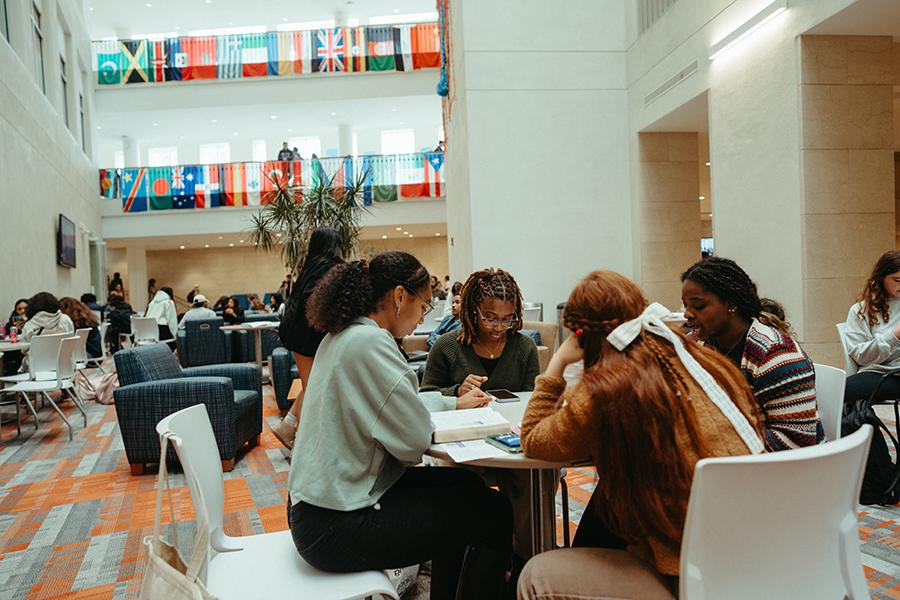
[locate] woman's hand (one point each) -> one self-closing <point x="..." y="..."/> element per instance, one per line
<point x="469" y="383"/>
<point x="570" y="352"/>
<point x="474" y="398"/>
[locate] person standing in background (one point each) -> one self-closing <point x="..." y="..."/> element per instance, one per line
<point x="285" y="153"/>
<point x="192" y="293"/>
<point x="151" y="288"/>
<point x="162" y="308"/>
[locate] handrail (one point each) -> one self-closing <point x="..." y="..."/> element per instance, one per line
<point x="400" y="47"/>
<point x="385" y="178"/>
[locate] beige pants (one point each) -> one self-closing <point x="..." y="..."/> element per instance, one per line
<point x="592" y="574"/>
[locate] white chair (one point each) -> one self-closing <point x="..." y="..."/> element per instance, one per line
<point x="236" y="565"/>
<point x="81" y="357"/>
<point x="65" y="376"/>
<point x="531" y="313"/>
<point x="830" y="384"/>
<point x="777" y="526"/>
<point x="144" y="330"/>
<point x="42" y="356"/>
<point x="850" y="365"/>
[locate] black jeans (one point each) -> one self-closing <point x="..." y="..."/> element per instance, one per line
<point x="863" y="384"/>
<point x="430" y="513"/>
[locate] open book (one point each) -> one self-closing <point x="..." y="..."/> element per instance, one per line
<point x="467" y="424"/>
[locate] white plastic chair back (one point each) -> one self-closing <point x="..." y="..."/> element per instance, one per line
<point x="81" y="351"/>
<point x="830" y="384"/>
<point x="850" y="365"/>
<point x="531" y="314"/>
<point x="768" y="525"/>
<point x="43" y="352"/>
<point x="65" y="364"/>
<point x="145" y="329"/>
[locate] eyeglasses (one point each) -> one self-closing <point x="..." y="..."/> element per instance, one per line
<point x="507" y="323"/>
<point x="428" y="305"/>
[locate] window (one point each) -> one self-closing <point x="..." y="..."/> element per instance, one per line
<point x="81" y="119"/>
<point x="64" y="89"/>
<point x="258" y="151"/>
<point x="162" y="157"/>
<point x="38" y="43"/>
<point x="398" y="141"/>
<point x="307" y="146"/>
<point x="215" y="153"/>
<point x="4" y="22"/>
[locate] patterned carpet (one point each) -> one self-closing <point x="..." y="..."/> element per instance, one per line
<point x="72" y="517"/>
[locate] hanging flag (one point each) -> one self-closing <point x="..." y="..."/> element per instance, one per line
<point x="412" y="176"/>
<point x="158" y="60"/>
<point x="134" y="190"/>
<point x="384" y="179"/>
<point x="342" y="177"/>
<point x="235" y="184"/>
<point x="366" y="173"/>
<point x="207" y="192"/>
<point x="228" y="59"/>
<point x="356" y="48"/>
<point x="202" y="53"/>
<point x="279" y="43"/>
<point x="184" y="183"/>
<point x="109" y="183"/>
<point x="380" y="55"/>
<point x="176" y="59"/>
<point x="109" y="62"/>
<point x="135" y="60"/>
<point x="254" y="54"/>
<point x="160" y="188"/>
<point x="426" y="45"/>
<point x="253" y="172"/>
<point x="330" y="51"/>
<point x="434" y="175"/>
<point x="403" y="47"/>
<point x="303" y="51"/>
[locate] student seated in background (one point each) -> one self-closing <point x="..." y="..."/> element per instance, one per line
<point x="44" y="317"/>
<point x="17" y="317"/>
<point x="83" y="318"/>
<point x="199" y="310"/>
<point x="453" y="292"/>
<point x="233" y="313"/>
<point x="276" y="304"/>
<point x="873" y="332"/>
<point x="256" y="304"/>
<point x="90" y="300"/>
<point x="119" y="313"/>
<point x="723" y="310"/>
<point x="449" y="323"/>
<point x="649" y="406"/>
<point x="220" y="304"/>
<point x="356" y="501"/>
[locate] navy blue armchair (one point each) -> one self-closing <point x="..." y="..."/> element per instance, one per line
<point x="284" y="371"/>
<point x="153" y="386"/>
<point x="202" y="342"/>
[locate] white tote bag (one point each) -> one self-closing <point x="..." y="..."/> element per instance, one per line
<point x="168" y="576"/>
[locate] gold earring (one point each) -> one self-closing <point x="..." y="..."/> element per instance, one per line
<point x="398" y="311"/>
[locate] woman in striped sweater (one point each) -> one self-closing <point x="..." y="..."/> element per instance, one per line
<point x="723" y="309"/>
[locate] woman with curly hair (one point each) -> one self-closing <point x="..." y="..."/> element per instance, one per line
<point x="356" y="500"/>
<point x="724" y="311"/>
<point x="83" y="318"/>
<point x="649" y="406"/>
<point x="873" y="332"/>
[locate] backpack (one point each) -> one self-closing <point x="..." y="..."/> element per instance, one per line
<point x="882" y="474"/>
<point x="109" y="383"/>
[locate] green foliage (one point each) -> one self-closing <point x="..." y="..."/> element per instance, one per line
<point x="289" y="215"/>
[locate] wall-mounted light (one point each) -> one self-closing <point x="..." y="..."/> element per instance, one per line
<point x="752" y="24"/>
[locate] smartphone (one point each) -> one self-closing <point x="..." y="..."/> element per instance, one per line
<point x="506" y="441"/>
<point x="503" y="395"/>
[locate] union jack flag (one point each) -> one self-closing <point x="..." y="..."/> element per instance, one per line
<point x="330" y="50"/>
<point x="178" y="178"/>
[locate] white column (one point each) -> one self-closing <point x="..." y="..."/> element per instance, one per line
<point x="345" y="139"/>
<point x="136" y="277"/>
<point x="131" y="152"/>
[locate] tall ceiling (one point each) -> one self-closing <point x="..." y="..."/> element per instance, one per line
<point x="124" y="18"/>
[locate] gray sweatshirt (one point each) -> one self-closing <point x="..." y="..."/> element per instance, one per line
<point x="874" y="348"/>
<point x="362" y="423"/>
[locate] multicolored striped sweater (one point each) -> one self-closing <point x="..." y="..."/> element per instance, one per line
<point x="784" y="382"/>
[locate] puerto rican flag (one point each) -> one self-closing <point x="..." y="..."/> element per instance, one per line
<point x="330" y="50"/>
<point x="434" y="175"/>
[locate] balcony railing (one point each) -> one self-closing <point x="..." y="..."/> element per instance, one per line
<point x="387" y="178"/>
<point x="404" y="47"/>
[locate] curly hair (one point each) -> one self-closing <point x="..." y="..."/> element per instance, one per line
<point x="42" y="302"/>
<point x="357" y="288"/>
<point x="724" y="278"/>
<point x="487" y="283"/>
<point x="873" y="298"/>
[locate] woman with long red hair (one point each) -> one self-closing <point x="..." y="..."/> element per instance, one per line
<point x="650" y="405"/>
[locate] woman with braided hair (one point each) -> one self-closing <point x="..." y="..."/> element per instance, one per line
<point x="649" y="406"/>
<point x="356" y="500"/>
<point x="724" y="311"/>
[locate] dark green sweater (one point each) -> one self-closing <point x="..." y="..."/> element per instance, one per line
<point x="450" y="362"/>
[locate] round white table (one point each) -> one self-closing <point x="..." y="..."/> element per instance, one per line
<point x="7" y="346"/>
<point x="544" y="476"/>
<point x="257" y="327"/>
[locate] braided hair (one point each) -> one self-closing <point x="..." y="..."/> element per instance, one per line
<point x="873" y="298"/>
<point x="487" y="283"/>
<point x="724" y="278"/>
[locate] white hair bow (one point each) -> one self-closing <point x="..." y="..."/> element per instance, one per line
<point x="651" y="321"/>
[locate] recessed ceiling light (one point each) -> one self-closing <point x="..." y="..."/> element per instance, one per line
<point x="91" y="9"/>
<point x="220" y="237"/>
<point x="209" y="1"/>
<point x="703" y="197"/>
<point x="333" y="114"/>
<point x="206" y="245"/>
<point x="437" y="235"/>
<point x="405" y="233"/>
<point x="393" y="110"/>
<point x="242" y="241"/>
<point x="156" y="124"/>
<point x="273" y="117"/>
<point x="148" y="5"/>
<point x="399" y="229"/>
<point x="396" y="10"/>
<point x="98" y="128"/>
<point x="231" y="245"/>
<point x="384" y="237"/>
<point x="235" y="133"/>
<point x="411" y="235"/>
<point x="213" y="120"/>
<point x="182" y="247"/>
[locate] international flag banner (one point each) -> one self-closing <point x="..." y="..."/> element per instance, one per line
<point x="176" y="59"/>
<point x="330" y="51"/>
<point x="434" y="175"/>
<point x="134" y="190"/>
<point x="160" y="188"/>
<point x="201" y="53"/>
<point x="426" y="45"/>
<point x="228" y="58"/>
<point x="412" y="175"/>
<point x="109" y="62"/>
<point x="403" y="47"/>
<point x="254" y="55"/>
<point x="380" y="55"/>
<point x="356" y="48"/>
<point x="207" y="191"/>
<point x="280" y="44"/>
<point x="366" y="173"/>
<point x="284" y="172"/>
<point x="158" y="61"/>
<point x="303" y="51"/>
<point x="342" y="177"/>
<point x="234" y="181"/>
<point x="184" y="183"/>
<point x="253" y="172"/>
<point x="109" y="183"/>
<point x="384" y="178"/>
<point x="136" y="61"/>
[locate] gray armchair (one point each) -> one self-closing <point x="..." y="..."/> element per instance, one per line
<point x="202" y="342"/>
<point x="153" y="386"/>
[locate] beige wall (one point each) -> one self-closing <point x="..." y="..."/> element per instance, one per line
<point x="847" y="162"/>
<point x="431" y="251"/>
<point x="668" y="189"/>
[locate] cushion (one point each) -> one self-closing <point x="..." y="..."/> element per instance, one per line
<point x="146" y="363"/>
<point x="534" y="334"/>
<point x="244" y="397"/>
